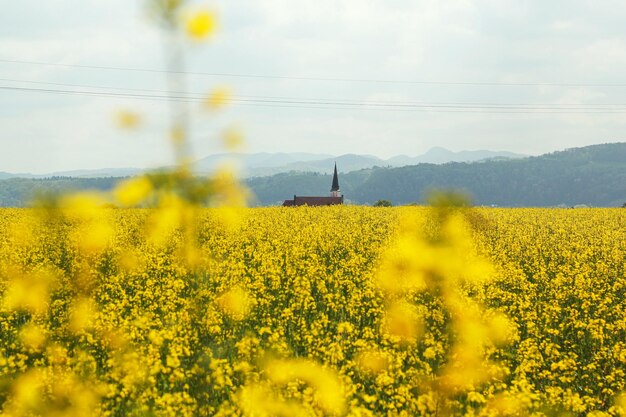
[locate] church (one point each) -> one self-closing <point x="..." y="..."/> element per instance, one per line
<point x="334" y="198"/>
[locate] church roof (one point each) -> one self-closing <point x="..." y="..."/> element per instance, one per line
<point x="313" y="201"/>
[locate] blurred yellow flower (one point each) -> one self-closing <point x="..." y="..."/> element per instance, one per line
<point x="236" y="303"/>
<point x="28" y="390"/>
<point x="85" y="206"/>
<point x="620" y="404"/>
<point x="178" y="135"/>
<point x="372" y="361"/>
<point x="82" y="314"/>
<point x="166" y="218"/>
<point x="258" y="400"/>
<point x="403" y="322"/>
<point x="501" y="329"/>
<point x="228" y="192"/>
<point x="33" y="336"/>
<point x="329" y="392"/>
<point x="94" y="236"/>
<point x="28" y="291"/>
<point x="233" y="139"/>
<point x="218" y="98"/>
<point x="126" y="119"/>
<point x="201" y="24"/>
<point x="133" y="191"/>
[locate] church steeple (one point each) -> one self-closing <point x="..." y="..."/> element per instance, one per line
<point x="334" y="189"/>
<point x="335" y="196"/>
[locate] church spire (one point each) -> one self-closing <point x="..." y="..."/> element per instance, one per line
<point x="334" y="189"/>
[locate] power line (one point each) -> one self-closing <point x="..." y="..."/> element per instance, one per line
<point x="338" y="79"/>
<point x="338" y="105"/>
<point x="334" y="101"/>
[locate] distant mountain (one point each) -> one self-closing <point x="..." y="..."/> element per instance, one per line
<point x="5" y="175"/>
<point x="439" y="155"/>
<point x="79" y="173"/>
<point x="345" y="163"/>
<point x="95" y="173"/>
<point x="263" y="160"/>
<point x="264" y="163"/>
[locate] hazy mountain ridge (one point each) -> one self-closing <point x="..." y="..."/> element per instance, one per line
<point x="352" y="162"/>
<point x="79" y="173"/>
<point x="264" y="163"/>
<point x="439" y="155"/>
<point x="262" y="160"/>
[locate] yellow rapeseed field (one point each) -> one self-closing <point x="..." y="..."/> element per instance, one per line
<point x="181" y="310"/>
<point x="336" y="311"/>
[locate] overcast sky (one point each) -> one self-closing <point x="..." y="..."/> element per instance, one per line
<point x="373" y="77"/>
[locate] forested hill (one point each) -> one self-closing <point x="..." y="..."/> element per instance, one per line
<point x="593" y="175"/>
<point x="19" y="192"/>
